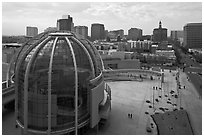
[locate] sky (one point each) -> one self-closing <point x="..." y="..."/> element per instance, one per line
<point x="114" y="15"/>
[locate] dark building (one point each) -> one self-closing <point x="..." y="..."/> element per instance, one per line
<point x="81" y="30"/>
<point x="119" y="32"/>
<point x="159" y="34"/>
<point x="193" y="35"/>
<point x="134" y="34"/>
<point x="65" y="24"/>
<point x="176" y="34"/>
<point x="106" y="33"/>
<point x="31" y="31"/>
<point x="146" y="37"/>
<point x="97" y="31"/>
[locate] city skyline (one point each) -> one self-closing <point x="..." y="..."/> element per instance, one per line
<point x="115" y="15"/>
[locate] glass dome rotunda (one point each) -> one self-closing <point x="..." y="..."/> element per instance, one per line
<point x="55" y="73"/>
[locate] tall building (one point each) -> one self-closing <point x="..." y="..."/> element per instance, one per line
<point x="119" y="32"/>
<point x="106" y="33"/>
<point x="50" y="29"/>
<point x="81" y="30"/>
<point x="134" y="34"/>
<point x="176" y="34"/>
<point x="31" y="31"/>
<point x="112" y="35"/>
<point x="193" y="35"/>
<point x="97" y="31"/>
<point x="159" y="34"/>
<point x="66" y="23"/>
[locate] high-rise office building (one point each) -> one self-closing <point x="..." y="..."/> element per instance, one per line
<point x="193" y="35"/>
<point x="159" y="34"/>
<point x="106" y="33"/>
<point x="66" y="23"/>
<point x="97" y="31"/>
<point x="176" y="34"/>
<point x="119" y="32"/>
<point x="31" y="31"/>
<point x="81" y="30"/>
<point x="50" y="29"/>
<point x="134" y="33"/>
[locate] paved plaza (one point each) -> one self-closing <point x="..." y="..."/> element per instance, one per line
<point x="136" y="97"/>
<point x="131" y="97"/>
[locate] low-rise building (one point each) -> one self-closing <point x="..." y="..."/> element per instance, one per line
<point x="113" y="59"/>
<point x="140" y="46"/>
<point x="115" y="63"/>
<point x="159" y="58"/>
<point x="167" y="53"/>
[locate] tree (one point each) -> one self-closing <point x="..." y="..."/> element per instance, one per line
<point x="108" y="39"/>
<point x="118" y="38"/>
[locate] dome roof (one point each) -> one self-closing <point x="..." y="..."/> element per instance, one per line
<point x="48" y="70"/>
<point x="28" y="46"/>
<point x="66" y="45"/>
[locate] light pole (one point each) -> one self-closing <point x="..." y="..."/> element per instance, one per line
<point x="153" y="97"/>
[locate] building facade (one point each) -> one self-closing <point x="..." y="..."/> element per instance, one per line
<point x="119" y="32"/>
<point x="134" y="34"/>
<point x="121" y="64"/>
<point x="193" y="35"/>
<point x="176" y="34"/>
<point x="140" y="46"/>
<point x="118" y="60"/>
<point x="159" y="34"/>
<point x="106" y="33"/>
<point x="97" y="31"/>
<point x="31" y="31"/>
<point x="50" y="29"/>
<point x="146" y="37"/>
<point x="81" y="30"/>
<point x="66" y="23"/>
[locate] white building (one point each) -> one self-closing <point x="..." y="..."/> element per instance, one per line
<point x="170" y="54"/>
<point x="140" y="44"/>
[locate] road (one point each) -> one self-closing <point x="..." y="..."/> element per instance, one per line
<point x="194" y="71"/>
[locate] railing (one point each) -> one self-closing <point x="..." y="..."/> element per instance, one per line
<point x="133" y="70"/>
<point x="130" y="74"/>
<point x="4" y="84"/>
<point x="55" y="132"/>
<point x="8" y="95"/>
<point x="96" y="81"/>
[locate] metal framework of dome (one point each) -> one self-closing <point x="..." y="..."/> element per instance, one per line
<point x="58" y="75"/>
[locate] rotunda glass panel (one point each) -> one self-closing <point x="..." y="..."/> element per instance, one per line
<point x="56" y="66"/>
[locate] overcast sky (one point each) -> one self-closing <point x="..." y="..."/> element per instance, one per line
<point x="16" y="16"/>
